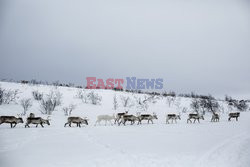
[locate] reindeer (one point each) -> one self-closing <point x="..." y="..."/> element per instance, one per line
<point x="130" y="118"/>
<point x="234" y="115"/>
<point x="148" y="117"/>
<point x="119" y="116"/>
<point x="77" y="120"/>
<point x="195" y="117"/>
<point x="32" y="115"/>
<point x="37" y="121"/>
<point x="172" y="117"/>
<point x="215" y="117"/>
<point x="105" y="118"/>
<point x="11" y="120"/>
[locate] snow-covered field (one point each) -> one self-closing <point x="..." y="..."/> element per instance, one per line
<point x="222" y="144"/>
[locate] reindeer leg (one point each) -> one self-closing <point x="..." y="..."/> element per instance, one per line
<point x="152" y="121"/>
<point x="36" y="125"/>
<point x="236" y="118"/>
<point x="10" y="125"/>
<point x="41" y="124"/>
<point x="229" y="119"/>
<point x="198" y="120"/>
<point x="65" y="124"/>
<point x="79" y="125"/>
<point x="14" y="125"/>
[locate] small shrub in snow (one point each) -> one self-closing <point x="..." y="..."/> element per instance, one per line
<point x="170" y="100"/>
<point x="177" y="104"/>
<point x="126" y="102"/>
<point x="242" y="106"/>
<point x="209" y="104"/>
<point x="184" y="110"/>
<point x="142" y="103"/>
<point x="195" y="105"/>
<point x="81" y="94"/>
<point x="8" y="96"/>
<point x="115" y="102"/>
<point x="94" y="98"/>
<point x="26" y="104"/>
<point x="1" y="95"/>
<point x="37" y="95"/>
<point x="68" y="110"/>
<point x="50" y="102"/>
<point x="91" y="97"/>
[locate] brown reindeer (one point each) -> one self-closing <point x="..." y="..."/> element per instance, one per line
<point x="119" y="116"/>
<point x="173" y="117"/>
<point x="233" y="115"/>
<point x="32" y="115"/>
<point x="10" y="120"/>
<point x="130" y="118"/>
<point x="194" y="117"/>
<point x="215" y="117"/>
<point x="147" y="117"/>
<point x="77" y="120"/>
<point x="37" y="121"/>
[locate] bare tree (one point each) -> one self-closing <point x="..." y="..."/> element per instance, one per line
<point x="209" y="104"/>
<point x="37" y="95"/>
<point x="195" y="105"/>
<point x="126" y="101"/>
<point x="8" y="96"/>
<point x="81" y="94"/>
<point x="115" y="102"/>
<point x="26" y="104"/>
<point x="68" y="110"/>
<point x="94" y="98"/>
<point x="50" y="102"/>
<point x="184" y="110"/>
<point x="170" y="100"/>
<point x="142" y="102"/>
<point x="177" y="104"/>
<point x="1" y="95"/>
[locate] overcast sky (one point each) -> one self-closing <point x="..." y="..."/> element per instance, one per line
<point x="195" y="45"/>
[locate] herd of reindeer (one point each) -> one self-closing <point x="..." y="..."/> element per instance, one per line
<point x="119" y="118"/>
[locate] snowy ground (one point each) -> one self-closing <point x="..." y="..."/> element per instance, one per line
<point x="222" y="144"/>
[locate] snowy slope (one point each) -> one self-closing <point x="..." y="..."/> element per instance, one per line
<point x="222" y="144"/>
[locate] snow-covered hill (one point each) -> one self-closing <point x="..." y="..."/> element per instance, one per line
<point x="222" y="144"/>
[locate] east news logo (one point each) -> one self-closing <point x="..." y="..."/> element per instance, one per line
<point x="131" y="83"/>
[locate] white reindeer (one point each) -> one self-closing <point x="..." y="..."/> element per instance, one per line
<point x="106" y="118"/>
